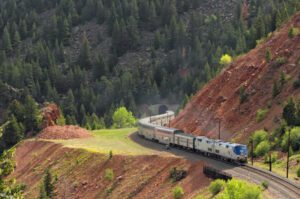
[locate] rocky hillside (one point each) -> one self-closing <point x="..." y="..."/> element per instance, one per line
<point x="250" y="93"/>
<point x="81" y="174"/>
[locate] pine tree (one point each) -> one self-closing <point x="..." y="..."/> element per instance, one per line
<point x="33" y="118"/>
<point x="84" y="59"/>
<point x="268" y="56"/>
<point x="48" y="184"/>
<point x="7" y="46"/>
<point x="13" y="132"/>
<point x="289" y="113"/>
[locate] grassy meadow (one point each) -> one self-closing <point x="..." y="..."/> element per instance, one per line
<point x="116" y="140"/>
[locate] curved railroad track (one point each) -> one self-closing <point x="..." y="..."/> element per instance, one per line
<point x="279" y="187"/>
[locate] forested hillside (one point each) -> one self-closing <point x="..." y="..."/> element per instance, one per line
<point x="91" y="56"/>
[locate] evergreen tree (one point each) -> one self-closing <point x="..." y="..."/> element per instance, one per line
<point x="268" y="56"/>
<point x="7" y="46"/>
<point x="13" y="132"/>
<point x="32" y="119"/>
<point x="84" y="59"/>
<point x="289" y="113"/>
<point x="48" y="184"/>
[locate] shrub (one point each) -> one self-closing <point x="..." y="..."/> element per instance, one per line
<point x="274" y="157"/>
<point x="109" y="174"/>
<point x="296" y="83"/>
<point x="268" y="55"/>
<point x="259" y="136"/>
<point x="293" y="32"/>
<point x="225" y="60"/>
<point x="240" y="189"/>
<point x="243" y="94"/>
<point x="177" y="174"/>
<point x="298" y="172"/>
<point x="178" y="192"/>
<point x="279" y="61"/>
<point x="262" y="148"/>
<point x="261" y="114"/>
<point x="294" y="138"/>
<point x="110" y="154"/>
<point x="265" y="184"/>
<point x="216" y="186"/>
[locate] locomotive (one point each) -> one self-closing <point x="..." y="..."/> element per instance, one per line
<point x="156" y="128"/>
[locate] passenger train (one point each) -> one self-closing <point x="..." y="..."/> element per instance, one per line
<point x="156" y="128"/>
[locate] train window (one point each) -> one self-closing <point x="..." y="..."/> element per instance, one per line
<point x="217" y="151"/>
<point x="200" y="140"/>
<point x="227" y="146"/>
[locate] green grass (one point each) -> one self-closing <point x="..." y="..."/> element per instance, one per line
<point x="103" y="141"/>
<point x="279" y="167"/>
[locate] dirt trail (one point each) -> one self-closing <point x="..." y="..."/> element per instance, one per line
<point x="81" y="173"/>
<point x="220" y="98"/>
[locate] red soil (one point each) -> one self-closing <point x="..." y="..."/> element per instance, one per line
<point x="64" y="132"/>
<point x="80" y="173"/>
<point x="50" y="113"/>
<point x="220" y="97"/>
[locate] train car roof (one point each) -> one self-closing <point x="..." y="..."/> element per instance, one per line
<point x="186" y="135"/>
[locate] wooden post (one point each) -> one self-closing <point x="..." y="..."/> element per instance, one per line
<point x="270" y="161"/>
<point x="288" y="155"/>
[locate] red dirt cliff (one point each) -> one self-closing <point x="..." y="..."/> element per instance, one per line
<point x="220" y="98"/>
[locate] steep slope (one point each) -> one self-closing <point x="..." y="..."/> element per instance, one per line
<point x="220" y="98"/>
<point x="81" y="174"/>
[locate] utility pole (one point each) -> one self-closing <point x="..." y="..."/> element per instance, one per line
<point x="288" y="155"/>
<point x="219" y="128"/>
<point x="252" y="148"/>
<point x="270" y="161"/>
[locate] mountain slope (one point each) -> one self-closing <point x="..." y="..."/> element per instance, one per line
<point x="81" y="174"/>
<point x="220" y="98"/>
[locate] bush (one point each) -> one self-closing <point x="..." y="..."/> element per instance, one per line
<point x="241" y="190"/>
<point x="298" y="172"/>
<point x="262" y="148"/>
<point x="259" y="136"/>
<point x="279" y="61"/>
<point x="265" y="184"/>
<point x="293" y="32"/>
<point x="274" y="157"/>
<point x="225" y="60"/>
<point x="295" y="139"/>
<point x="110" y="154"/>
<point x="177" y="174"/>
<point x="261" y="114"/>
<point x="178" y="192"/>
<point x="296" y="83"/>
<point x="216" y="186"/>
<point x="243" y="94"/>
<point x="109" y="174"/>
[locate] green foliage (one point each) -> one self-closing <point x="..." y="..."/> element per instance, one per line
<point x="279" y="61"/>
<point x="243" y="94"/>
<point x="84" y="58"/>
<point x="293" y="32"/>
<point x="295" y="139"/>
<point x="177" y="174"/>
<point x="217" y="186"/>
<point x="275" y="89"/>
<point x="9" y="188"/>
<point x="239" y="189"/>
<point x="289" y="113"/>
<point x="274" y="157"/>
<point x="261" y="114"/>
<point x="109" y="174"/>
<point x="259" y="136"/>
<point x="265" y="184"/>
<point x="268" y="55"/>
<point x="12" y="133"/>
<point x="48" y="185"/>
<point x="298" y="172"/>
<point x="225" y="60"/>
<point x="123" y="118"/>
<point x="262" y="148"/>
<point x="178" y="192"/>
<point x="110" y="154"/>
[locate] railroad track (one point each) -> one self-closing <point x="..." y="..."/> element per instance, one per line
<point x="281" y="184"/>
